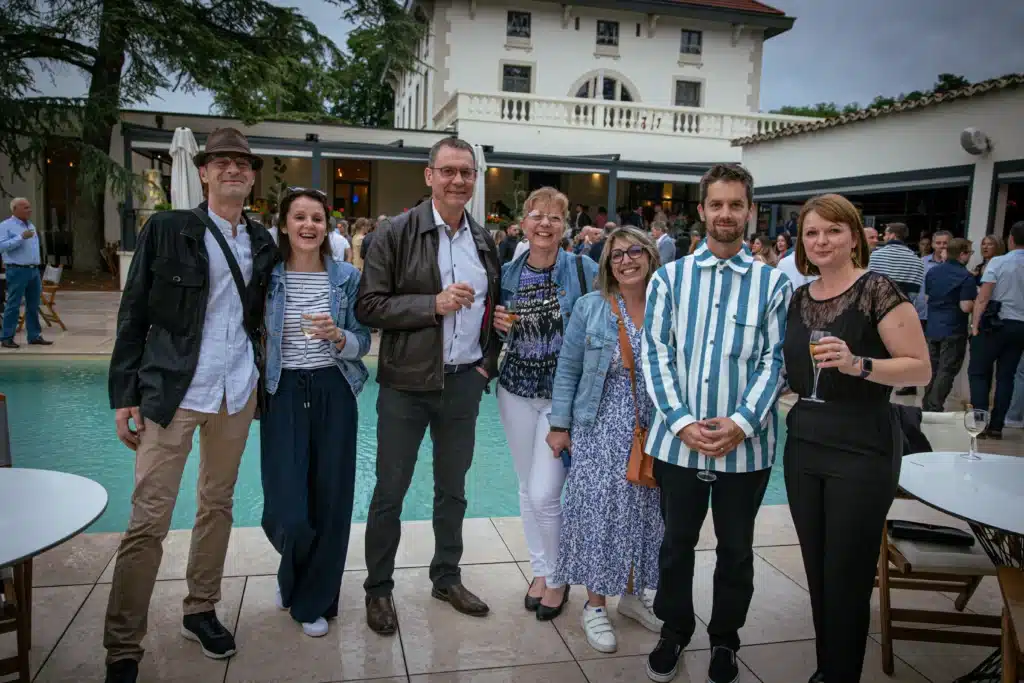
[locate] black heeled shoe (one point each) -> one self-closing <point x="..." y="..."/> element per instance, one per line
<point x="529" y="602"/>
<point x="818" y="677"/>
<point x="545" y="613"/>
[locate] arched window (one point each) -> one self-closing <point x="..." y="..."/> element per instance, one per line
<point x="605" y="88"/>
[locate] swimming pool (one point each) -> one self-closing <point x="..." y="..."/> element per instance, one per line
<point x="60" y="420"/>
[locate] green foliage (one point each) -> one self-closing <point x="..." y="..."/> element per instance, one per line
<point x="944" y="83"/>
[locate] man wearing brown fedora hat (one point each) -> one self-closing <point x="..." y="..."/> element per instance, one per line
<point x="187" y="356"/>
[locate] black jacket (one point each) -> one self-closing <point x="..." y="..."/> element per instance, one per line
<point x="397" y="294"/>
<point x="160" y="320"/>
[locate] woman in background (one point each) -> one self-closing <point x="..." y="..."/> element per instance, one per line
<point x="308" y="427"/>
<point x="359" y="230"/>
<point x="783" y="243"/>
<point x="991" y="246"/>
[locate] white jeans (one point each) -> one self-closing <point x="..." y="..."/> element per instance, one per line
<point x="541" y="477"/>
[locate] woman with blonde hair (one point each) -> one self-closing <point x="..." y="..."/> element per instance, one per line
<point x="767" y="253"/>
<point x="991" y="246"/>
<point x="612" y="529"/>
<point x="359" y="230"/>
<point x="851" y="336"/>
<point x="538" y="291"/>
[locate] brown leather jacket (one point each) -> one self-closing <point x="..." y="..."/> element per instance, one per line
<point x="397" y="294"/>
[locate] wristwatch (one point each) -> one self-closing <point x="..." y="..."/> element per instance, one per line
<point x="867" y="366"/>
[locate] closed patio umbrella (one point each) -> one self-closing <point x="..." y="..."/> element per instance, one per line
<point x="186" y="188"/>
<point x="479" y="207"/>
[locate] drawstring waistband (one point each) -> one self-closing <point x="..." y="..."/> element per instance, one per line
<point x="305" y="378"/>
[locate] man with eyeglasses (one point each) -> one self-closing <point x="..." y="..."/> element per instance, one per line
<point x="187" y="356"/>
<point x="430" y="283"/>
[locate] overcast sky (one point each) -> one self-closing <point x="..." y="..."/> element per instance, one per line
<point x="838" y="51"/>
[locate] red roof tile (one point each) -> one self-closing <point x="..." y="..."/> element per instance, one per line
<point x="741" y="5"/>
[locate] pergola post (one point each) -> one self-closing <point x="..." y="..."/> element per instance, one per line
<point x="613" y="190"/>
<point x="128" y="236"/>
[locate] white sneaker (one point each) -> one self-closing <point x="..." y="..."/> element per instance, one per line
<point x="600" y="633"/>
<point x="641" y="610"/>
<point x="1013" y="424"/>
<point x="317" y="629"/>
<point x="278" y="600"/>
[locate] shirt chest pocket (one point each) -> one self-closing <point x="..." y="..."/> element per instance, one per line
<point x="174" y="295"/>
<point x="744" y="342"/>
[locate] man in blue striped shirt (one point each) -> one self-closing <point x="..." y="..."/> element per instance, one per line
<point x="713" y="366"/>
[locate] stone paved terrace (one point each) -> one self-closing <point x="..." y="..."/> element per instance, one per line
<point x="435" y="644"/>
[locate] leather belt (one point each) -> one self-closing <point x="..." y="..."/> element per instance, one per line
<point x="20" y="265"/>
<point x="462" y="367"/>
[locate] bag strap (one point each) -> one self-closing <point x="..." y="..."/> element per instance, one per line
<point x="628" y="361"/>
<point x="236" y="272"/>
<point x="579" y="273"/>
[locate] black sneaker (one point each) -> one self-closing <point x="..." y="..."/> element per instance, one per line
<point x="723" y="667"/>
<point x="204" y="628"/>
<point x="122" y="671"/>
<point x="663" y="663"/>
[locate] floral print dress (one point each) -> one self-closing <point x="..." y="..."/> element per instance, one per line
<point x="610" y="525"/>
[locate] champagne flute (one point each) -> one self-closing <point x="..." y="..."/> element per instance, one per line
<point x="306" y="324"/>
<point x="816" y="337"/>
<point x="975" y="422"/>
<point x="706" y="475"/>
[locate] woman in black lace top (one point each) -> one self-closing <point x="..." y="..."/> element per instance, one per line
<point x="843" y="453"/>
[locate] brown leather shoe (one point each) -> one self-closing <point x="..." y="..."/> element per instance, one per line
<point x="462" y="600"/>
<point x="380" y="615"/>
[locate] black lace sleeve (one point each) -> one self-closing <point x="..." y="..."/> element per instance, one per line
<point x="884" y="294"/>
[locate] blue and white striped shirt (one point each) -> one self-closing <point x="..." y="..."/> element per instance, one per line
<point x="713" y="348"/>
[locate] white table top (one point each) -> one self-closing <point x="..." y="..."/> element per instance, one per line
<point x="989" y="491"/>
<point x="40" y="509"/>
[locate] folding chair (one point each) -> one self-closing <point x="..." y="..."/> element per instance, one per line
<point x="51" y="284"/>
<point x="16" y="586"/>
<point x="1011" y="585"/>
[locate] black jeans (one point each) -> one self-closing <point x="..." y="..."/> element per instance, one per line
<point x="308" y="464"/>
<point x="842" y="468"/>
<point x="1000" y="349"/>
<point x="735" y="499"/>
<point x="947" y="356"/>
<point x="402" y="419"/>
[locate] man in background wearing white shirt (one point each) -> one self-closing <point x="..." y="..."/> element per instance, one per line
<point x="341" y="250"/>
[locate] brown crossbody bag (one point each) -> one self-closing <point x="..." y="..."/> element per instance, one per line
<point x="640" y="469"/>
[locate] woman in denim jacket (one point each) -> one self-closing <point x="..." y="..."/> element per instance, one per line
<point x="612" y="529"/>
<point x="308" y="429"/>
<point x="538" y="290"/>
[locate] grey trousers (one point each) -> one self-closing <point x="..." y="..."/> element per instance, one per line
<point x="947" y="357"/>
<point x="402" y="420"/>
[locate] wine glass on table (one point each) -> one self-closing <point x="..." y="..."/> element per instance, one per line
<point x="975" y="422"/>
<point x="706" y="475"/>
<point x="816" y="337"/>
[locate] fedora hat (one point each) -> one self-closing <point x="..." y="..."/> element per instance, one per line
<point x="227" y="141"/>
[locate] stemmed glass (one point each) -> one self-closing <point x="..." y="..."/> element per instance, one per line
<point x="306" y="323"/>
<point x="706" y="475"/>
<point x="975" y="422"/>
<point x="816" y="337"/>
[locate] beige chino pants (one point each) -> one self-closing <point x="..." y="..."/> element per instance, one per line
<point x="159" y="463"/>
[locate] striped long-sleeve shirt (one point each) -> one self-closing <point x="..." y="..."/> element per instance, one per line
<point x="713" y="348"/>
<point x="896" y="261"/>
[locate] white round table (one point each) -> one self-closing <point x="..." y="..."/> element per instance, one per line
<point x="989" y="495"/>
<point x="42" y="509"/>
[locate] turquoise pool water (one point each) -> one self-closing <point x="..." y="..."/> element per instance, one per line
<point x="60" y="420"/>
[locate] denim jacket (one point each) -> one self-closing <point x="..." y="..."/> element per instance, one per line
<point x="588" y="347"/>
<point x="344" y="279"/>
<point x="565" y="276"/>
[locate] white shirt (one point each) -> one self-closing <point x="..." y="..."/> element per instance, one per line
<point x="521" y="248"/>
<point x="339" y="245"/>
<point x="788" y="266"/>
<point x="459" y="261"/>
<point x="226" y="370"/>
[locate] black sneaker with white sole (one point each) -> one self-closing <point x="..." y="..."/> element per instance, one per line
<point x="205" y="628"/>
<point x="663" y="663"/>
<point x="723" y="667"/>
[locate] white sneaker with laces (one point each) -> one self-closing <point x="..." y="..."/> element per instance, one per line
<point x="641" y="610"/>
<point x="317" y="629"/>
<point x="598" y="629"/>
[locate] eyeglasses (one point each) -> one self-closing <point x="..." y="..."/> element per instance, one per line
<point x="553" y="219"/>
<point x="449" y="172"/>
<point x="307" y="190"/>
<point x="634" y="252"/>
<point x="223" y="163"/>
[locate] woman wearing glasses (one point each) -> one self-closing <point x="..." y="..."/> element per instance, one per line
<point x="612" y="531"/>
<point x="308" y="429"/>
<point x="538" y="291"/>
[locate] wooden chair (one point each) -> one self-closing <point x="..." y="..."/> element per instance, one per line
<point x="48" y="300"/>
<point x="1011" y="584"/>
<point x="911" y="565"/>
<point x="16" y="586"/>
